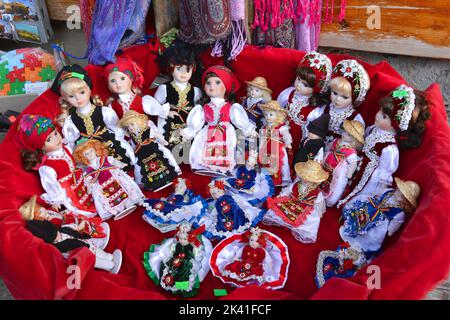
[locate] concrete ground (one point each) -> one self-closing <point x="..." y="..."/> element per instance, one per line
<point x="419" y="72"/>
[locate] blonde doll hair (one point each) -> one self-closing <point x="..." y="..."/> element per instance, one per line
<point x="71" y="85"/>
<point x="281" y="116"/>
<point x="266" y="96"/>
<point x="341" y="84"/>
<point x="99" y="147"/>
<point x="133" y="116"/>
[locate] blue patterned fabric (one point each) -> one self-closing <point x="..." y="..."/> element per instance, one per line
<point x="229" y="215"/>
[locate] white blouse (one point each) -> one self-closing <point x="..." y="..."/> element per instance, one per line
<point x="150" y="105"/>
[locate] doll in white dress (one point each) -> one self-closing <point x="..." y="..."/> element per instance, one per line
<point x="275" y="141"/>
<point x="400" y="122"/>
<point x="114" y="192"/>
<point x="348" y="88"/>
<point x="300" y="206"/>
<point x="89" y="121"/>
<point x="341" y="161"/>
<point x="213" y="151"/>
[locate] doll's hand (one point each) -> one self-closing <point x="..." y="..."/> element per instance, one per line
<point x="289" y="146"/>
<point x="161" y="139"/>
<point x="172" y="114"/>
<point x="57" y="207"/>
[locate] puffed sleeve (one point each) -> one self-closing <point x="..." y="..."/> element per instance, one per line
<point x="320" y="204"/>
<point x="388" y="164"/>
<point x="360" y="119"/>
<point x="352" y="158"/>
<point x="153" y="107"/>
<point x="369" y="129"/>
<point x="70" y="132"/>
<point x="161" y="94"/>
<point x="313" y="115"/>
<point x="55" y="195"/>
<point x="240" y="119"/>
<point x="112" y="121"/>
<point x="287" y="138"/>
<point x="195" y="121"/>
<point x="396" y="223"/>
<point x="283" y="97"/>
<point x="198" y="94"/>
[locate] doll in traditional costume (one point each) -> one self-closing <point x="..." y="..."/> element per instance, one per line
<point x="167" y="214"/>
<point x="179" y="264"/>
<point x="348" y="88"/>
<point x="155" y="166"/>
<point x="399" y="123"/>
<point x="368" y="220"/>
<point x="179" y="96"/>
<point x="73" y="84"/>
<point x="43" y="150"/>
<point x="252" y="185"/>
<point x="275" y="140"/>
<point x="341" y="161"/>
<point x="255" y="257"/>
<point x="114" y="192"/>
<point x="344" y="262"/>
<point x="228" y="214"/>
<point x="312" y="78"/>
<point x="313" y="147"/>
<point x="94" y="227"/>
<point x="257" y="93"/>
<point x="300" y="206"/>
<point x="213" y="151"/>
<point x="125" y="80"/>
<point x="66" y="239"/>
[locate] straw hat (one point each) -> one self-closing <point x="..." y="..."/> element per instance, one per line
<point x="409" y="189"/>
<point x="132" y="115"/>
<point x="355" y="129"/>
<point x="27" y="209"/>
<point x="260" y="83"/>
<point x="273" y="105"/>
<point x="311" y="171"/>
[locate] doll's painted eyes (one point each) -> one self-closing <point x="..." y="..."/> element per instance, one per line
<point x="112" y="80"/>
<point x="82" y="92"/>
<point x="123" y="78"/>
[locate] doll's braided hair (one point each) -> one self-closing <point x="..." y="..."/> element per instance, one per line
<point x="410" y="138"/>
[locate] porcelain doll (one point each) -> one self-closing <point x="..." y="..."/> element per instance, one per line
<point x="213" y="151"/>
<point x="125" y="80"/>
<point x="313" y="147"/>
<point x="253" y="186"/>
<point x="228" y="214"/>
<point x="275" y="141"/>
<point x="94" y="227"/>
<point x="312" y="78"/>
<point x="348" y="88"/>
<point x="300" y="206"/>
<point x="179" y="96"/>
<point x="89" y="121"/>
<point x="341" y="161"/>
<point x="344" y="262"/>
<point x="368" y="220"/>
<point x="400" y="122"/>
<point x="255" y="257"/>
<point x="178" y="265"/>
<point x="257" y="93"/>
<point x="43" y="150"/>
<point x="115" y="193"/>
<point x="66" y="239"/>
<point x="166" y="214"/>
<point x="155" y="166"/>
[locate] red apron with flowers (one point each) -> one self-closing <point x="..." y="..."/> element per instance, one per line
<point x="215" y="152"/>
<point x="250" y="263"/>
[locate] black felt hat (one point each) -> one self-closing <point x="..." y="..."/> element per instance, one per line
<point x="71" y="71"/>
<point x="319" y="126"/>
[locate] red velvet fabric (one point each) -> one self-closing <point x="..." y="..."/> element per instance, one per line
<point x="413" y="261"/>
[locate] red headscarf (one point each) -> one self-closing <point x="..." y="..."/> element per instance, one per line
<point x="129" y="67"/>
<point x="33" y="131"/>
<point x="228" y="78"/>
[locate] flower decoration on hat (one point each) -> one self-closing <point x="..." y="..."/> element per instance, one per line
<point x="33" y="131"/>
<point x="322" y="67"/>
<point x="404" y="103"/>
<point x="127" y="66"/>
<point x="356" y="75"/>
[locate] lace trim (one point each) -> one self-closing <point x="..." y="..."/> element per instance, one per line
<point x="127" y="104"/>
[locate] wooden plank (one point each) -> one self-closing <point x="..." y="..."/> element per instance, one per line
<point x="413" y="27"/>
<point x="166" y="15"/>
<point x="57" y="9"/>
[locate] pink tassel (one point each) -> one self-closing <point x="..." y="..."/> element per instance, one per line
<point x="342" y="12"/>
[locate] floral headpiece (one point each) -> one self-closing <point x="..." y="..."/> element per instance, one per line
<point x="322" y="67"/>
<point x="404" y="101"/>
<point x="356" y="75"/>
<point x="128" y="67"/>
<point x="34" y="130"/>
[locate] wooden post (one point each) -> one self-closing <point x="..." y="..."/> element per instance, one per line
<point x="166" y="15"/>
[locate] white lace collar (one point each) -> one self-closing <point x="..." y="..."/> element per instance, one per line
<point x="55" y="153"/>
<point x="218" y="102"/>
<point x="85" y="110"/>
<point x="179" y="84"/>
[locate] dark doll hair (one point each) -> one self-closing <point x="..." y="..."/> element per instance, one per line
<point x="308" y="75"/>
<point x="30" y="159"/>
<point x="231" y="97"/>
<point x="412" y="137"/>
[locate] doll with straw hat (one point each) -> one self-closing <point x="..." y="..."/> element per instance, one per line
<point x="341" y="160"/>
<point x="300" y="206"/>
<point x="369" y="219"/>
<point x="275" y="139"/>
<point x="257" y="93"/>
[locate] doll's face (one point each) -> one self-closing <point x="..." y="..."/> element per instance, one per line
<point x="216" y="193"/>
<point x="270" y="115"/>
<point x="119" y="82"/>
<point x="90" y="154"/>
<point x="53" y="142"/>
<point x="78" y="97"/>
<point x="253" y="241"/>
<point x="346" y="137"/>
<point x="215" y="88"/>
<point x="183" y="238"/>
<point x="254" y="92"/>
<point x="302" y="87"/>
<point x="340" y="98"/>
<point x="383" y="121"/>
<point x="136" y="126"/>
<point x="185" y="228"/>
<point x="182" y="73"/>
<point x="180" y="188"/>
<point x="41" y="213"/>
